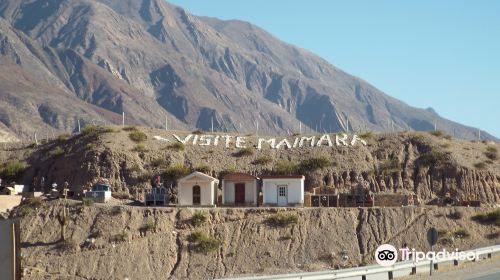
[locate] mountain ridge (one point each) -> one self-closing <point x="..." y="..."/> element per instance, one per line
<point x="194" y="70"/>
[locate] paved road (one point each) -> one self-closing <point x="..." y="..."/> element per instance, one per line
<point x="484" y="270"/>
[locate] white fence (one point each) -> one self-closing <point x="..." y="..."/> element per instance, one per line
<point x="377" y="272"/>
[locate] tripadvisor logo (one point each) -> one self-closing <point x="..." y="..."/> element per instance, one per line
<point x="386" y="255"/>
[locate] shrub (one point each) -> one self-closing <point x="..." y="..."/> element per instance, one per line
<point x="63" y="137"/>
<point x="89" y="129"/>
<point x="389" y="166"/>
<point x="34" y="202"/>
<point x="204" y="243"/>
<point x="140" y="148"/>
<point x="149" y="226"/>
<point x="121" y="195"/>
<point x="457" y="215"/>
<point x="367" y="135"/>
<point x="197" y="132"/>
<point x="432" y="158"/>
<point x="137" y="136"/>
<point x="203" y="168"/>
<point x="263" y="160"/>
<point x="491" y="153"/>
<point x="491" y="218"/>
<point x="87" y="201"/>
<point x="91" y="146"/>
<point x="176" y="147"/>
<point x="315" y="163"/>
<point x="283" y="220"/>
<point x="145" y="176"/>
<point x="177" y="171"/>
<point x="480" y="165"/>
<point x="108" y="130"/>
<point x="13" y="169"/>
<point x="159" y="162"/>
<point x="440" y="134"/>
<point x="285" y="168"/>
<point x="119" y="237"/>
<point x="493" y="235"/>
<point x="198" y="219"/>
<point x="244" y="152"/>
<point x="26" y="210"/>
<point x="461" y="233"/>
<point x="443" y="233"/>
<point x="130" y="128"/>
<point x="58" y="151"/>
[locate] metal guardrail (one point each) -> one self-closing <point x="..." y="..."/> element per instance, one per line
<point x="411" y="266"/>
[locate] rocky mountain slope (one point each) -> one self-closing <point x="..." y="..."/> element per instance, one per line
<point x="421" y="163"/>
<point x="90" y="60"/>
<point x="117" y="242"/>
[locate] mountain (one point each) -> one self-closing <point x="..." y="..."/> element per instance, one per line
<point x="62" y="62"/>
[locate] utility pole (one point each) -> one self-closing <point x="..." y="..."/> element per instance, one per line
<point x="79" y="128"/>
<point x="212" y="123"/>
<point x="435" y="126"/>
<point x="36" y="140"/>
<point x="479" y="134"/>
<point x="300" y="127"/>
<point x="166" y="123"/>
<point x="123" y="119"/>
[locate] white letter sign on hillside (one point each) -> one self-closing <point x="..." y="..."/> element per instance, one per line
<point x="240" y="142"/>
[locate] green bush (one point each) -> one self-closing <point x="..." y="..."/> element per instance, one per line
<point x="283" y="220"/>
<point x="491" y="153"/>
<point x="91" y="146"/>
<point x="57" y="151"/>
<point x="130" y="128"/>
<point x="203" y="168"/>
<point x="443" y="233"/>
<point x="159" y="162"/>
<point x="177" y="171"/>
<point x="440" y="134"/>
<point x="140" y="148"/>
<point x="120" y="195"/>
<point x="244" y="152"/>
<point x="148" y="226"/>
<point x="389" y="166"/>
<point x="176" y="147"/>
<point x="13" y="169"/>
<point x="315" y="163"/>
<point x="89" y="129"/>
<point x="263" y="160"/>
<point x="137" y="136"/>
<point x="491" y="218"/>
<point x="367" y="135"/>
<point x="197" y="132"/>
<point x="204" y="243"/>
<point x="87" y="201"/>
<point x="285" y="168"/>
<point x="461" y="233"/>
<point x="433" y="158"/>
<point x="198" y="219"/>
<point x="63" y="137"/>
<point x="480" y="165"/>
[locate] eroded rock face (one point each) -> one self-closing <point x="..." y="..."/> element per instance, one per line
<point x="249" y="244"/>
<point x="425" y="165"/>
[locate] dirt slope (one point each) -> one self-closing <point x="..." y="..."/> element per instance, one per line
<point x="249" y="244"/>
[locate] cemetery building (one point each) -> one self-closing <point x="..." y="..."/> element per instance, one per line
<point x="197" y="189"/>
<point x="283" y="190"/>
<point x="239" y="189"/>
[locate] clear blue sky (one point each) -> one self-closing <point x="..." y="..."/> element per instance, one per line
<point x="440" y="54"/>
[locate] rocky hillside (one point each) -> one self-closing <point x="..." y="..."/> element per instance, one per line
<point x="117" y="242"/>
<point x="429" y="165"/>
<point x="89" y="60"/>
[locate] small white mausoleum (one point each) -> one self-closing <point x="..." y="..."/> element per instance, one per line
<point x="239" y="189"/>
<point x="197" y="189"/>
<point x="283" y="190"/>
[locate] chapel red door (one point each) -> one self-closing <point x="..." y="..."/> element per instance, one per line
<point x="239" y="193"/>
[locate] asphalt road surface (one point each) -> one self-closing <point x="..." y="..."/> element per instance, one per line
<point x="484" y="270"/>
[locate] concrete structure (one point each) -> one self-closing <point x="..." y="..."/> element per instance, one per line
<point x="197" y="189"/>
<point x="283" y="190"/>
<point x="101" y="193"/>
<point x="239" y="189"/>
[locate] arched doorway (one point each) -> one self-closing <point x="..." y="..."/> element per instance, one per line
<point x="196" y="195"/>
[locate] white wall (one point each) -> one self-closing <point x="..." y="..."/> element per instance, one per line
<point x="295" y="190"/>
<point x="185" y="195"/>
<point x="250" y="191"/>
